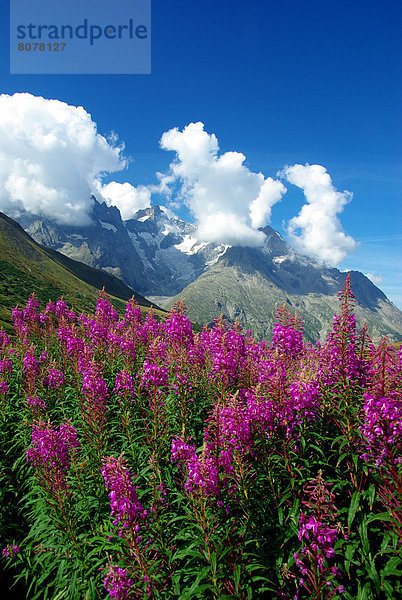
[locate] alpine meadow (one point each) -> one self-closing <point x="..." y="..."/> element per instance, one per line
<point x="141" y="459"/>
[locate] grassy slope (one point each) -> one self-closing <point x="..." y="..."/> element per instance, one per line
<point x="27" y="267"/>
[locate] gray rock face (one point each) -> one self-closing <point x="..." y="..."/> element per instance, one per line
<point x="95" y="245"/>
<point x="154" y="253"/>
<point x="171" y="254"/>
<point x="157" y="254"/>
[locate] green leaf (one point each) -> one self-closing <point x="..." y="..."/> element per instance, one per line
<point x="188" y="594"/>
<point x="385" y="516"/>
<point x="354" y="505"/>
<point x="363" y="537"/>
<point x="393" y="567"/>
<point x="363" y="593"/>
<point x="372" y="572"/>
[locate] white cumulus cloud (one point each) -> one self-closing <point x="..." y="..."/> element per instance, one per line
<point x="126" y="197"/>
<point x="316" y="231"/>
<point x="228" y="201"/>
<point x="52" y="159"/>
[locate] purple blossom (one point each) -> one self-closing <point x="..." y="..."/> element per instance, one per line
<point x="52" y="448"/>
<point x="287" y="340"/>
<point x="50" y="308"/>
<point x="94" y="388"/>
<point x="55" y="378"/>
<point x="319" y="536"/>
<point x="30" y="366"/>
<point x="124" y="384"/>
<point x="4" y="389"/>
<point x="153" y="376"/>
<point x="4" y="339"/>
<point x="209" y="471"/>
<point x="105" y="313"/>
<point x="31" y="311"/>
<point x="318" y="532"/>
<point x="133" y="313"/>
<point x="305" y="399"/>
<point x="36" y="403"/>
<point x="178" y="327"/>
<point x="118" y="583"/>
<point x="126" y="508"/>
<point x="234" y="422"/>
<point x="382" y="428"/>
<point x="10" y="551"/>
<point x="61" y="309"/>
<point x="127" y="348"/>
<point x="5" y="367"/>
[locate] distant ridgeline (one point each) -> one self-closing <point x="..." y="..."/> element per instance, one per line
<point x="158" y="255"/>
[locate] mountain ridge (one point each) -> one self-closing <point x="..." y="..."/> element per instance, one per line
<point x="159" y="255"/>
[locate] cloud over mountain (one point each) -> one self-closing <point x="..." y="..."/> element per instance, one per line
<point x="52" y="159"/>
<point x="127" y="198"/>
<point x="228" y="201"/>
<point x="316" y="231"/>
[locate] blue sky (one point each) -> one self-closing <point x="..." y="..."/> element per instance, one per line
<point x="281" y="82"/>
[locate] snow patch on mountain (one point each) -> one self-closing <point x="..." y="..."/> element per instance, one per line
<point x="190" y="245"/>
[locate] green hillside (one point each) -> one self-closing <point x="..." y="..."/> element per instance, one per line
<point x="27" y="267"/>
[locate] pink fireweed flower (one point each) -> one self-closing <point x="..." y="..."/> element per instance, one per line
<point x="20" y="328"/>
<point x="105" y="313"/>
<point x="126" y="509"/>
<point x="386" y="372"/>
<point x="71" y="316"/>
<point x="52" y="447"/>
<point x="31" y="311"/>
<point x="151" y="328"/>
<point x="94" y="388"/>
<point x="4" y="340"/>
<point x="127" y="348"/>
<point x="382" y="428"/>
<point x="319" y="535"/>
<point x="133" y="313"/>
<point x="43" y="357"/>
<point x="228" y="353"/>
<point x="30" y="366"/>
<point x="36" y="403"/>
<point x="153" y="376"/>
<point x="56" y="378"/>
<point x="4" y="389"/>
<point x="50" y="308"/>
<point x="209" y="471"/>
<point x="123" y="385"/>
<point x="318" y="531"/>
<point x="11" y="551"/>
<point x="305" y="399"/>
<point x="234" y="423"/>
<point x="118" y="583"/>
<point x="287" y="340"/>
<point x="61" y="309"/>
<point x="178" y="327"/>
<point x="5" y="367"/>
<point x="51" y="451"/>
